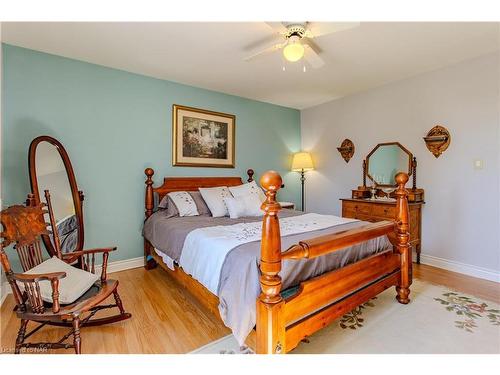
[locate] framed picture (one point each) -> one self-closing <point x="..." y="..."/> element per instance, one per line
<point x="202" y="138"/>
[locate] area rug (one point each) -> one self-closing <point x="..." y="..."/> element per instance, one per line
<point x="437" y="320"/>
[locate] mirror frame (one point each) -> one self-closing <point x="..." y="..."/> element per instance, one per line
<point x="76" y="194"/>
<point x="410" y="161"/>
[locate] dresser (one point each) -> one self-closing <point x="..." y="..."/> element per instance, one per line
<point x="377" y="210"/>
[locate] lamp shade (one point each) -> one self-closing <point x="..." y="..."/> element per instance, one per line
<point x="302" y="161"/>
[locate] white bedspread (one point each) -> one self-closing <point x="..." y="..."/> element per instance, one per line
<point x="205" y="249"/>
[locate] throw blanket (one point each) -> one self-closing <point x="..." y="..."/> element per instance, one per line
<point x="205" y="249"/>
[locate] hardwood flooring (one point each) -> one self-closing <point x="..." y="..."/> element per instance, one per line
<point x="167" y="320"/>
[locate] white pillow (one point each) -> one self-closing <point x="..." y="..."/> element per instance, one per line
<point x="250" y="188"/>
<point x="245" y="205"/>
<point x="214" y="198"/>
<point x="71" y="287"/>
<point x="184" y="202"/>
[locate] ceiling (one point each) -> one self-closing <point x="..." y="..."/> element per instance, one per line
<point x="210" y="55"/>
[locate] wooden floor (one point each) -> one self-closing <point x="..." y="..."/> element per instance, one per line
<point x="167" y="320"/>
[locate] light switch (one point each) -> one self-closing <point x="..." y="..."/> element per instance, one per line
<point x="478" y="164"/>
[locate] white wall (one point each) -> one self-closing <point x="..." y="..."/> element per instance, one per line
<point x="461" y="215"/>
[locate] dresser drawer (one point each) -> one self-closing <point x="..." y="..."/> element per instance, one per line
<point x="357" y="208"/>
<point x="384" y="210"/>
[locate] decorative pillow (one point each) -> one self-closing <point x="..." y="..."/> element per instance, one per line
<point x="202" y="207"/>
<point x="245" y="205"/>
<point x="250" y="188"/>
<point x="71" y="287"/>
<point x="172" y="211"/>
<point x="214" y="198"/>
<point x="184" y="202"/>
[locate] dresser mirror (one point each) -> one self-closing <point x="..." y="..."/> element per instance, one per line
<point x="51" y="172"/>
<point x="374" y="200"/>
<point x="385" y="161"/>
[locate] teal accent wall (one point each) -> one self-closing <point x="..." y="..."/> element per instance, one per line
<point x="114" y="124"/>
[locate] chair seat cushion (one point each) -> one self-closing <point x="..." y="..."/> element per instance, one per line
<point x="71" y="287"/>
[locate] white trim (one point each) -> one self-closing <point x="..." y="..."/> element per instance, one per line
<point x="467" y="269"/>
<point x="4" y="290"/>
<point x="117" y="266"/>
<point x="122" y="265"/>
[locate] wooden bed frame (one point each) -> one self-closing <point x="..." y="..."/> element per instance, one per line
<point x="283" y="323"/>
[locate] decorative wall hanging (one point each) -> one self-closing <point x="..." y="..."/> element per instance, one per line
<point x="346" y="149"/>
<point x="437" y="140"/>
<point x="202" y="138"/>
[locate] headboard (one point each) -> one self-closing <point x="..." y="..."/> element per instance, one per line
<point x="185" y="184"/>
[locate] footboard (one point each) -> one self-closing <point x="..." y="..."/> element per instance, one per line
<point x="283" y="323"/>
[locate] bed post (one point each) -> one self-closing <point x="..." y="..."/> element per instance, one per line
<point x="403" y="238"/>
<point x="250" y="173"/>
<point x="149" y="262"/>
<point x="270" y="304"/>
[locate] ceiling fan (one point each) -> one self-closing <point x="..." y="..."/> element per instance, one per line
<point x="295" y="39"/>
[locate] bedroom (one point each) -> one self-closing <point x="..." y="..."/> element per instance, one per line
<point x="129" y="105"/>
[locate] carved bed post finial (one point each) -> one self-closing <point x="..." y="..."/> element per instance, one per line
<point x="149" y="202"/>
<point x="403" y="238"/>
<point x="149" y="262"/>
<point x="250" y="173"/>
<point x="270" y="323"/>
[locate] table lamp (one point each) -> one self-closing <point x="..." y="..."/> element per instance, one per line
<point x="302" y="162"/>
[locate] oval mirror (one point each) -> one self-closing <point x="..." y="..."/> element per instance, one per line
<point x="386" y="160"/>
<point x="50" y="169"/>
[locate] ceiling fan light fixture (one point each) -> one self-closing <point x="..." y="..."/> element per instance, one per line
<point x="293" y="51"/>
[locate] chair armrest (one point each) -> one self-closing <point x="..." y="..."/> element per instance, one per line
<point x="27" y="278"/>
<point x="88" y="262"/>
<point x="36" y="298"/>
<point x="71" y="257"/>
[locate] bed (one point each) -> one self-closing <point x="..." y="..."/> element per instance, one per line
<point x="302" y="276"/>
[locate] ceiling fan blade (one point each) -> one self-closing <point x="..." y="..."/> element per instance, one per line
<point x="264" y="51"/>
<point x="315" y="29"/>
<point x="278" y="27"/>
<point x="263" y="43"/>
<point x="312" y="57"/>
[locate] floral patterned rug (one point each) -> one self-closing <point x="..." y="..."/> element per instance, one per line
<point x="437" y="320"/>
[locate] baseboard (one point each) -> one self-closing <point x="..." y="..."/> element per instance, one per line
<point x="5" y="290"/>
<point x="116" y="266"/>
<point x="122" y="265"/>
<point x="467" y="269"/>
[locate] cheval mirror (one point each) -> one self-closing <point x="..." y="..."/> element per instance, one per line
<point x="50" y="169"/>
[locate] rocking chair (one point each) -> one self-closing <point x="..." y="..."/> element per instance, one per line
<point x="23" y="226"/>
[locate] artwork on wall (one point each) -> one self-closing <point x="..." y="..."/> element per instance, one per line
<point x="346" y="149"/>
<point x="202" y="138"/>
<point x="437" y="140"/>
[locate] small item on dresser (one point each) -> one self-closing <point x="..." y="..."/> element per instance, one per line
<point x="214" y="198"/>
<point x="287" y="205"/>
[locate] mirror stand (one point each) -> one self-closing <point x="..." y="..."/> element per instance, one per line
<point x="50" y="169"/>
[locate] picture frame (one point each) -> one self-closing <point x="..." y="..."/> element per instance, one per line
<point x="202" y="138"/>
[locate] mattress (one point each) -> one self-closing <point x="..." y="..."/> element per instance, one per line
<point x="238" y="278"/>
